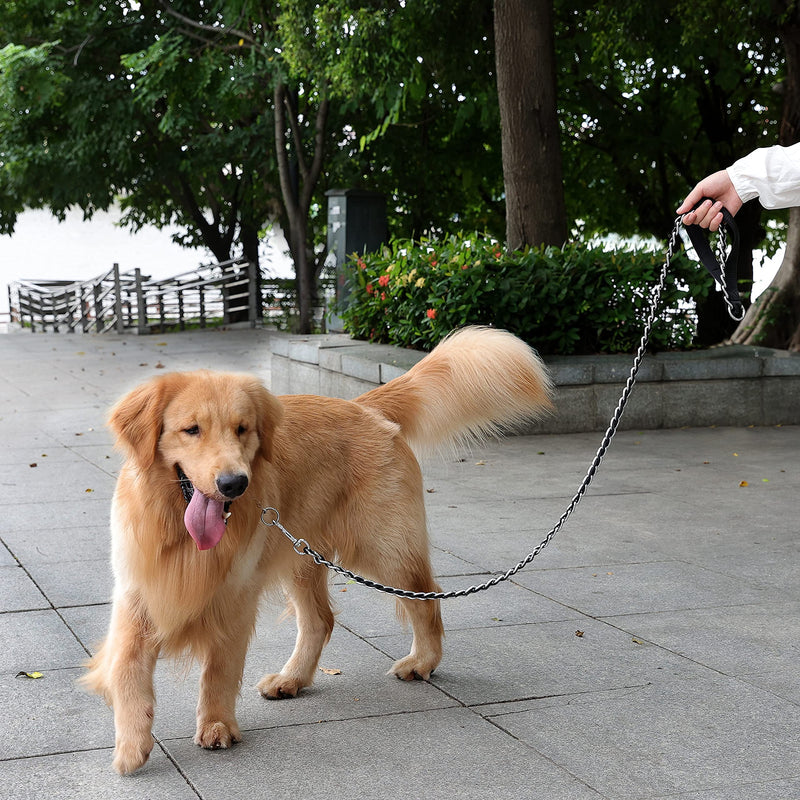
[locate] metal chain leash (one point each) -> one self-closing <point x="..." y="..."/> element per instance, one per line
<point x="722" y="246"/>
<point x="302" y="547"/>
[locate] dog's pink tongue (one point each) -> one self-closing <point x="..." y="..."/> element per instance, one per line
<point x="204" y="520"/>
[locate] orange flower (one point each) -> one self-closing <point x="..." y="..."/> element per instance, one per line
<point x="383" y="295"/>
<point x="361" y="264"/>
<point x="369" y="288"/>
<point x="383" y="280"/>
<point x="431" y="312"/>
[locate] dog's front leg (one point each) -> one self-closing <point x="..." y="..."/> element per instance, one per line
<point x="311" y="603"/>
<point x="123" y="672"/>
<point x="222" y="662"/>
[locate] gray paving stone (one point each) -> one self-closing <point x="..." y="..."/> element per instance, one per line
<point x="705" y="734"/>
<point x="51" y="478"/>
<point x="17" y="591"/>
<point x="513" y="662"/>
<point x="86" y="775"/>
<point x="74" y="583"/>
<point x="36" y="641"/>
<point x="766" y="790"/>
<point x="747" y="640"/>
<point x="6" y="559"/>
<point x="437" y="755"/>
<point x="88" y="623"/>
<point x="638" y="588"/>
<point x="81" y="509"/>
<point x="51" y="715"/>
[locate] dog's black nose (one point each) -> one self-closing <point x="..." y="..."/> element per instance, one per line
<point x="232" y="485"/>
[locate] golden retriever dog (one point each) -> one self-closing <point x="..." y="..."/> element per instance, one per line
<point x="205" y="452"/>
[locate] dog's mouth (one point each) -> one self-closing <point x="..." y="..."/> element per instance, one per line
<point x="205" y="517"/>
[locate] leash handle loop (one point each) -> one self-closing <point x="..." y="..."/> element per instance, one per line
<point x="722" y="269"/>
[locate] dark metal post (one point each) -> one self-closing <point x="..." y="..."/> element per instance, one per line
<point x="356" y="224"/>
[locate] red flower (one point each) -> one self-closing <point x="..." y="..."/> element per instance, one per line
<point x="431" y="312"/>
<point x="383" y="280"/>
<point x="383" y="295"/>
<point x="369" y="288"/>
<point x="361" y="264"/>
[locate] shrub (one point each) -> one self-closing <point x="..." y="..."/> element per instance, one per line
<point x="579" y="299"/>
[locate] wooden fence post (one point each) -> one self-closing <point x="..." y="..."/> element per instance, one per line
<point x="53" y="311"/>
<point x="141" y="303"/>
<point x="84" y="307"/>
<point x="98" y="307"/>
<point x="253" y="295"/>
<point x="24" y="302"/>
<point x="70" y="315"/>
<point x="118" y="300"/>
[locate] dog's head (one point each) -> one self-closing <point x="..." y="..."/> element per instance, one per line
<point x="207" y="429"/>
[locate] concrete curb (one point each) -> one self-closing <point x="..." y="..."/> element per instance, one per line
<point x="732" y="385"/>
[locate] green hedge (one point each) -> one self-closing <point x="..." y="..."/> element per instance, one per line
<point x="579" y="299"/>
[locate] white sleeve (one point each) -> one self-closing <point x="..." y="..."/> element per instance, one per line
<point x="772" y="174"/>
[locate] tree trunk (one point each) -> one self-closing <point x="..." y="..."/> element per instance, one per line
<point x="248" y="236"/>
<point x="774" y="319"/>
<point x="298" y="181"/>
<point x="530" y="134"/>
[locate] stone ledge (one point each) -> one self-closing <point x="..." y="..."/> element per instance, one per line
<point x="723" y="386"/>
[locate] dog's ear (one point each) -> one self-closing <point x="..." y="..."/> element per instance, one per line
<point x="137" y="419"/>
<point x="269" y="411"/>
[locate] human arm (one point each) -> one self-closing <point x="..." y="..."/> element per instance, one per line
<point x="772" y="174"/>
<point x="721" y="191"/>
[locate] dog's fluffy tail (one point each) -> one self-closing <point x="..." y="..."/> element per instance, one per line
<point x="478" y="382"/>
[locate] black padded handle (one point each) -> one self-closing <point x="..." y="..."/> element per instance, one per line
<point x="724" y="274"/>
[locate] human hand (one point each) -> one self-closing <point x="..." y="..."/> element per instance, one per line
<point x="719" y="188"/>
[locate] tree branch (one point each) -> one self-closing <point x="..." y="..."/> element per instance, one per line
<point x="218" y="30"/>
<point x="310" y="179"/>
<point x="289" y="200"/>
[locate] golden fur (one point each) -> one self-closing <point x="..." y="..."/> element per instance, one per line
<point x="343" y="476"/>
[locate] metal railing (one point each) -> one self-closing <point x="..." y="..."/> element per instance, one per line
<point x="213" y="294"/>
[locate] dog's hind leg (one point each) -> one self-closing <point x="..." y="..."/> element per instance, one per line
<point x="426" y="621"/>
<point x="312" y="606"/>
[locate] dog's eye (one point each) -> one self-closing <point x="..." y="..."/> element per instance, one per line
<point x="241" y="430"/>
<point x="193" y="430"/>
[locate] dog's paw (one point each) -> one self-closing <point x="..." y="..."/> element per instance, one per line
<point x="215" y="735"/>
<point x="411" y="668"/>
<point x="279" y="687"/>
<point x="130" y="755"/>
